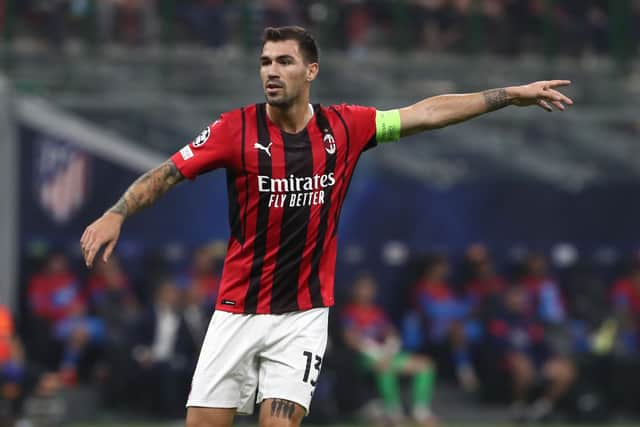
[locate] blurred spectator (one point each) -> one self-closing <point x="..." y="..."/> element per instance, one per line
<point x="109" y="293"/>
<point x="197" y="314"/>
<point x="447" y="319"/>
<point x="54" y="293"/>
<point x="547" y="306"/>
<point x="626" y="303"/>
<point x="624" y="386"/>
<point x="12" y="369"/>
<point x="356" y="24"/>
<point x="596" y="22"/>
<point x="277" y="13"/>
<point x="496" y="26"/>
<point x="518" y="341"/>
<point x="456" y="25"/>
<point x="369" y="332"/>
<point x="20" y="383"/>
<point x="56" y="20"/>
<point x="163" y="354"/>
<point x="483" y="286"/>
<point x="202" y="278"/>
<point x="153" y="354"/>
<point x="474" y="254"/>
<point x="112" y="300"/>
<point x="48" y="18"/>
<point x="126" y="21"/>
<point x="529" y="20"/>
<point x="206" y="19"/>
<point x="428" y="18"/>
<point x="56" y="300"/>
<point x="45" y="405"/>
<point x="585" y="290"/>
<point x="544" y="293"/>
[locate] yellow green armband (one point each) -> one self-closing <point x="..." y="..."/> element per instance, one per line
<point x="387" y="126"/>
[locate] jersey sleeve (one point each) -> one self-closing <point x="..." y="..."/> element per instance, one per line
<point x="361" y="125"/>
<point x="211" y="149"/>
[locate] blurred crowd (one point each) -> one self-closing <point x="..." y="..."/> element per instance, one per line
<point x="549" y="345"/>
<point x="534" y="339"/>
<point x="569" y="27"/>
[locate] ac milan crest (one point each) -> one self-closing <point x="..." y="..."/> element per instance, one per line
<point x="329" y="143"/>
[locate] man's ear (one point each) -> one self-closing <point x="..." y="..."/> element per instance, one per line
<point x="312" y="71"/>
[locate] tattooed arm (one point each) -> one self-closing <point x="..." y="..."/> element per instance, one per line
<point x="142" y="193"/>
<point x="445" y="110"/>
<point x="147" y="189"/>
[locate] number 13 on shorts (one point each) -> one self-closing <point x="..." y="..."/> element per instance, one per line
<point x="315" y="362"/>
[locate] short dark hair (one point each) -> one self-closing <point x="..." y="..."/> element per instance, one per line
<point x="306" y="41"/>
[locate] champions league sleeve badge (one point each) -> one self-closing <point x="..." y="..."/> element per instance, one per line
<point x="202" y="138"/>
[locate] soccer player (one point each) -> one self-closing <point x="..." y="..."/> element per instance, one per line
<point x="288" y="166"/>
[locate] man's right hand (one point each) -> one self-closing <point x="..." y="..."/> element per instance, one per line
<point x="104" y="231"/>
<point x="142" y="193"/>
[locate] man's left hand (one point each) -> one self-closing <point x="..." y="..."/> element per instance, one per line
<point x="541" y="93"/>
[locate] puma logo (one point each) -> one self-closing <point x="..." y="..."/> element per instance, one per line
<point x="266" y="149"/>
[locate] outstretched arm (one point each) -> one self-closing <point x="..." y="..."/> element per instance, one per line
<point x="445" y="110"/>
<point x="147" y="189"/>
<point x="142" y="193"/>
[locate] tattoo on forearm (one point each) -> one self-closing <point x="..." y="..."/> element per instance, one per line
<point x="147" y="189"/>
<point x="495" y="99"/>
<point x="282" y="408"/>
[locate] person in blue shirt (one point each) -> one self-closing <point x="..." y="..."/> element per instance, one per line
<point x="520" y="346"/>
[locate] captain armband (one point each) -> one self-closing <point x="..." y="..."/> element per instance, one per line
<point x="387" y="126"/>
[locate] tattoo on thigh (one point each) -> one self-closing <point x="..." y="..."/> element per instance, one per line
<point x="282" y="408"/>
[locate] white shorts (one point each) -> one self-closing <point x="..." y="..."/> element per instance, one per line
<point x="277" y="355"/>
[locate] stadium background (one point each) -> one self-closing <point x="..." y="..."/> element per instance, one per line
<point x="93" y="93"/>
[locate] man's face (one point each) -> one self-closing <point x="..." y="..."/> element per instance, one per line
<point x="538" y="266"/>
<point x="364" y="291"/>
<point x="57" y="264"/>
<point x="284" y="72"/>
<point x="169" y="296"/>
<point x="485" y="269"/>
<point x="202" y="261"/>
<point x="440" y="271"/>
<point x="515" y="300"/>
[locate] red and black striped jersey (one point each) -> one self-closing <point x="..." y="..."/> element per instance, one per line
<point x="285" y="195"/>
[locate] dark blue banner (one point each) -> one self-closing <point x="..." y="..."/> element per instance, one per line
<point x="64" y="188"/>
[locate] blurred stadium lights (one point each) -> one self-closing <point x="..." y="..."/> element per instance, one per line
<point x="395" y="253"/>
<point x="564" y="255"/>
